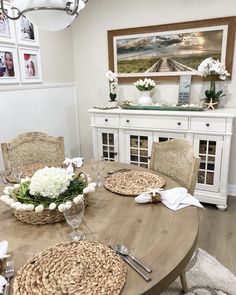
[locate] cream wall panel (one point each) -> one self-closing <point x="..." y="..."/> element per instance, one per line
<point x="51" y="110"/>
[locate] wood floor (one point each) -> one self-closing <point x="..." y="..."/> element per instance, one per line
<point x="217" y="233"/>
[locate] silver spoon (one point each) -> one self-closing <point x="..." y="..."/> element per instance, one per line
<point x="124" y="251"/>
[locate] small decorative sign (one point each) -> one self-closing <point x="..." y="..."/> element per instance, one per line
<point x="184" y="89"/>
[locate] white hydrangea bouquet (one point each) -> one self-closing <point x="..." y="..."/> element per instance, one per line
<point x="49" y="190"/>
<point x="145" y="85"/>
<point x="214" y="69"/>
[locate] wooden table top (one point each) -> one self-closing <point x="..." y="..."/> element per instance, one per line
<point x="163" y="239"/>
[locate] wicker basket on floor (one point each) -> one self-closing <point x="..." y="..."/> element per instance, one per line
<point x="45" y="217"/>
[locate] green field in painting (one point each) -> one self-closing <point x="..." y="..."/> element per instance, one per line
<point x="193" y="61"/>
<point x="135" y="65"/>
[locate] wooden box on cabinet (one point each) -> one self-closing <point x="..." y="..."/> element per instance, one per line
<point x="127" y="136"/>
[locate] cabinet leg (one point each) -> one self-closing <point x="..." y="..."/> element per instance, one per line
<point x="221" y="207"/>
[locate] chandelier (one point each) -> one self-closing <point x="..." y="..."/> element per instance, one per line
<point x="49" y="15"/>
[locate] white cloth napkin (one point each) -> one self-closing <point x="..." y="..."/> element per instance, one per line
<point x="3" y="254"/>
<point x="78" y="162"/>
<point x="175" y="198"/>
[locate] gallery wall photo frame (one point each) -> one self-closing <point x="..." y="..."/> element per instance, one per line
<point x="30" y="65"/>
<point x="165" y="52"/>
<point x="9" y="66"/>
<point x="26" y="32"/>
<point x="7" y="28"/>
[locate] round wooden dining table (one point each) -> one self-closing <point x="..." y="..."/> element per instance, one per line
<point x="162" y="239"/>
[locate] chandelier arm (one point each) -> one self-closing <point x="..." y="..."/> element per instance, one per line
<point x="9" y="16"/>
<point x="75" y="8"/>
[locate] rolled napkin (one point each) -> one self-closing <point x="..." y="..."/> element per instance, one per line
<point x="3" y="254"/>
<point x="3" y="249"/>
<point x="77" y="162"/>
<point x="2" y="283"/>
<point x="175" y="198"/>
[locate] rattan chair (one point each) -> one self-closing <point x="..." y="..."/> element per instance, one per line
<point x="33" y="148"/>
<point x="176" y="159"/>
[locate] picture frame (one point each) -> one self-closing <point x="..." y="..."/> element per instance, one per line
<point x="165" y="52"/>
<point x="7" y="28"/>
<point x="30" y="65"/>
<point x="184" y="89"/>
<point x="9" y="66"/>
<point x="26" y="32"/>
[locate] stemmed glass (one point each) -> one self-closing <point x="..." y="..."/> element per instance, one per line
<point x="16" y="173"/>
<point x="74" y="216"/>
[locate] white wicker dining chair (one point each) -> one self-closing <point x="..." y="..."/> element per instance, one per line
<point x="176" y="159"/>
<point x="33" y="148"/>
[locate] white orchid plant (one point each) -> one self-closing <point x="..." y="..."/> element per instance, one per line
<point x="213" y="68"/>
<point x="49" y="188"/>
<point x="145" y="85"/>
<point x="113" y="84"/>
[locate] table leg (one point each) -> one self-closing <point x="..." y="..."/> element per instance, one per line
<point x="184" y="282"/>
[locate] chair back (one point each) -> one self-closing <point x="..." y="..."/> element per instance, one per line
<point x="32" y="148"/>
<point x="176" y="159"/>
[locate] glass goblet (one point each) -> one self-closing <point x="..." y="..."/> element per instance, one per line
<point x="74" y="216"/>
<point x="16" y="173"/>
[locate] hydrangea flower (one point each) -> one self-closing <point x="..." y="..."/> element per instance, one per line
<point x="50" y="182"/>
<point x="145" y="85"/>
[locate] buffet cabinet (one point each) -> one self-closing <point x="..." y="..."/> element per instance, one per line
<point x="127" y="136"/>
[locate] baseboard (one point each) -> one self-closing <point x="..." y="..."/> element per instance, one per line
<point x="232" y="190"/>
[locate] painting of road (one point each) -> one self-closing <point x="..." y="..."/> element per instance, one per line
<point x="175" y="52"/>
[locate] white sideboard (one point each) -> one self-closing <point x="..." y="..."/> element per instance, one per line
<point x="127" y="136"/>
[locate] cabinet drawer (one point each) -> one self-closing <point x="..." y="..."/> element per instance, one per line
<point x="174" y="123"/>
<point x="208" y="124"/>
<point x="106" y="120"/>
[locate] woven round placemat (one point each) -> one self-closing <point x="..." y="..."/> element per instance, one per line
<point x="27" y="170"/>
<point x="84" y="268"/>
<point x="133" y="183"/>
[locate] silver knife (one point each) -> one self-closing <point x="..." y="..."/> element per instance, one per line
<point x="130" y="262"/>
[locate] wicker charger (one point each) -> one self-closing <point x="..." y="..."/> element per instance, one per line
<point x="133" y="183"/>
<point x="84" y="267"/>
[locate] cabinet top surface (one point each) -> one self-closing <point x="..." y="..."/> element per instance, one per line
<point x="221" y="112"/>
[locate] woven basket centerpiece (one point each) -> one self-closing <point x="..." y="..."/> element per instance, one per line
<point x="84" y="267"/>
<point x="43" y="198"/>
<point x="133" y="183"/>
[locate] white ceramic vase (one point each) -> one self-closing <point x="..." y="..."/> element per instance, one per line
<point x="145" y="98"/>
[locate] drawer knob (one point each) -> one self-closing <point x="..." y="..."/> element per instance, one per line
<point x="127" y="121"/>
<point x="106" y="120"/>
<point x="207" y="124"/>
<point x="179" y="123"/>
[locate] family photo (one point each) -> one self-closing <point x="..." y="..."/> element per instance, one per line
<point x="31" y="67"/>
<point x="6" y="64"/>
<point x="4" y="25"/>
<point x="27" y="28"/>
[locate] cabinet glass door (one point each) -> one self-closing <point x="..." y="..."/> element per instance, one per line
<point x="209" y="149"/>
<point x="108" y="144"/>
<point x="138" y="148"/>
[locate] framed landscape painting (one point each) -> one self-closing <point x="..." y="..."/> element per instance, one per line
<point x="30" y="65"/>
<point x="9" y="68"/>
<point x="165" y="52"/>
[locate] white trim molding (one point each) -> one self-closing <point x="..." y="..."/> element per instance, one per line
<point x="232" y="190"/>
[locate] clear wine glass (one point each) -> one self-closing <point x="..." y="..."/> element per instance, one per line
<point x="74" y="216"/>
<point x="17" y="173"/>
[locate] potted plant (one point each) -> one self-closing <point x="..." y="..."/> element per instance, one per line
<point x="145" y="86"/>
<point x="43" y="197"/>
<point x="113" y="85"/>
<point x="213" y="69"/>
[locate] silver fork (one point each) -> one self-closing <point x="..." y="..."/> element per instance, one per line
<point x="9" y="273"/>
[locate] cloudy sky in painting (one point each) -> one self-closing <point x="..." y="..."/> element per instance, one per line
<point x="185" y="43"/>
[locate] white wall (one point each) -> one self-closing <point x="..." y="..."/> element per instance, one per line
<point x="91" y="55"/>
<point x="50" y="110"/>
